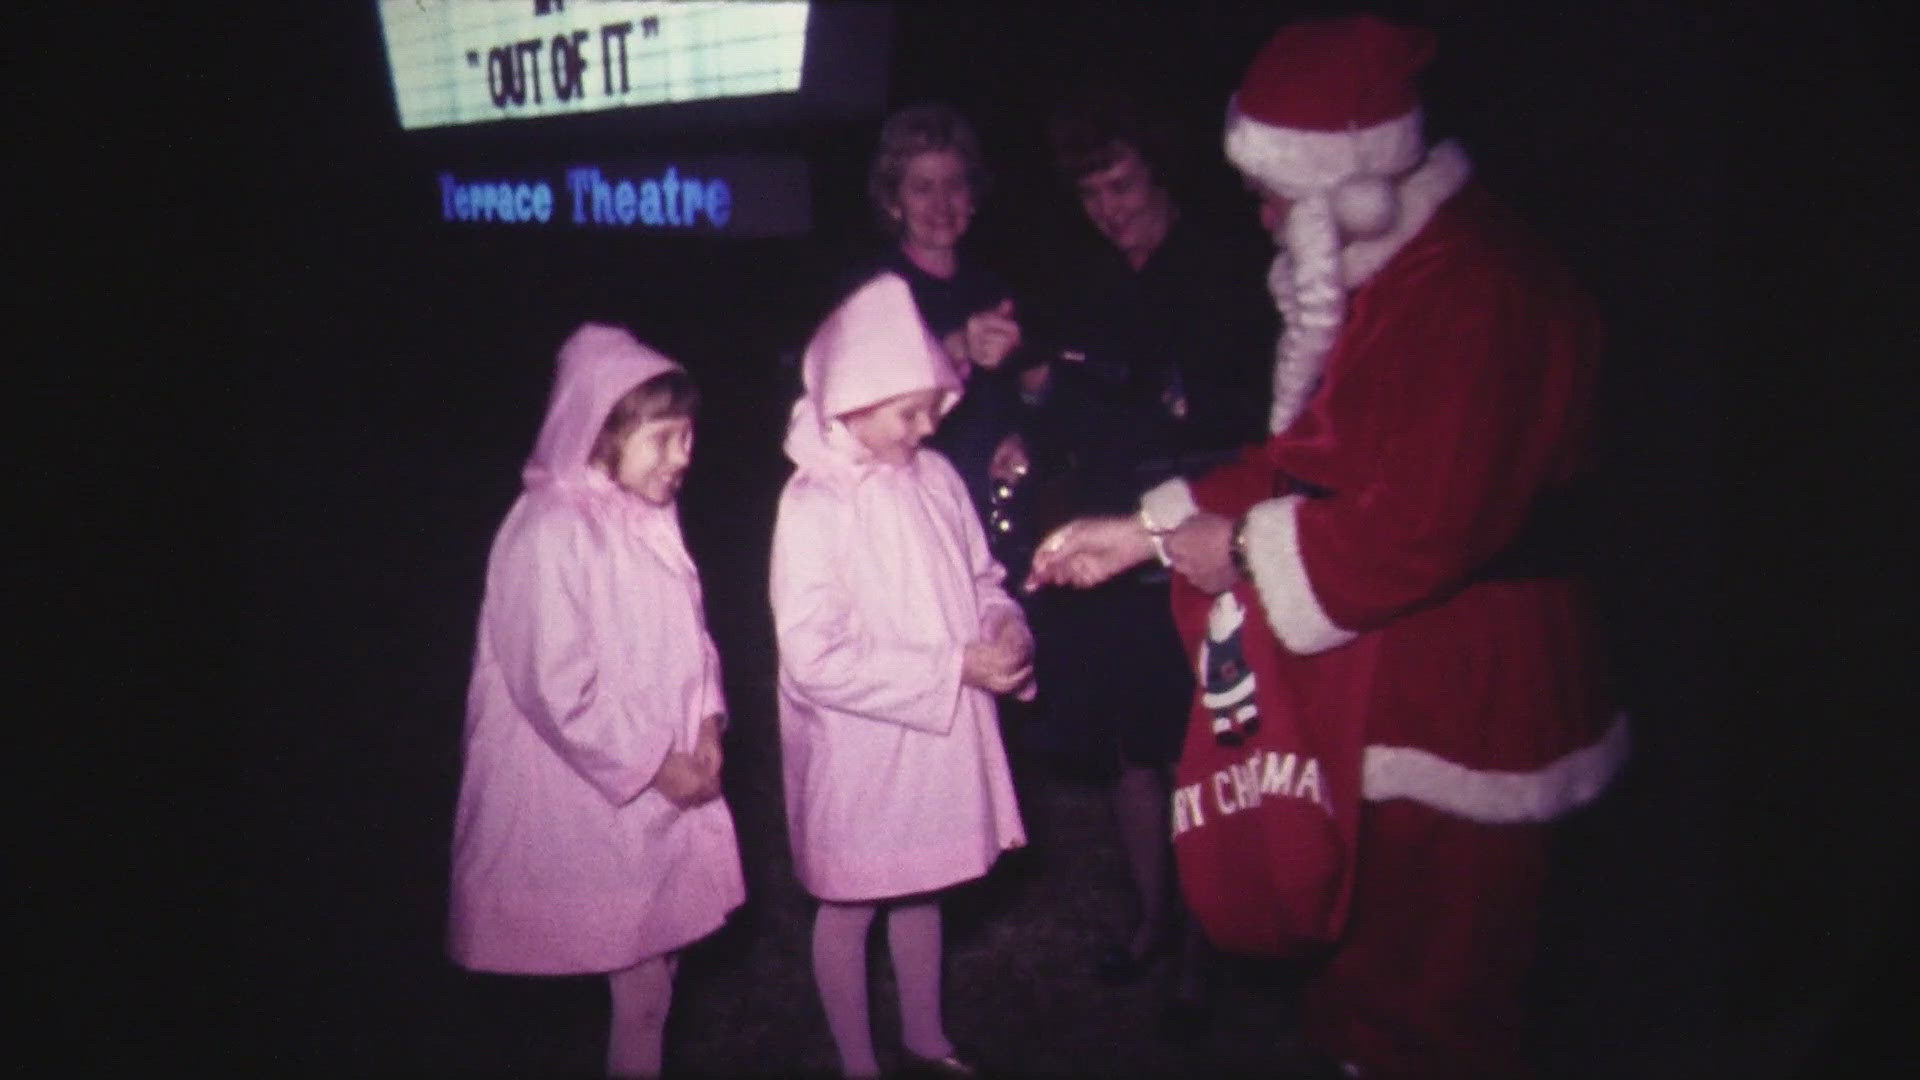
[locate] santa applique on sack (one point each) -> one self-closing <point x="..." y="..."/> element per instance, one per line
<point x="1226" y="680"/>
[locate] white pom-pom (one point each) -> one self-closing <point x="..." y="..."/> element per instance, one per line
<point x="1365" y="206"/>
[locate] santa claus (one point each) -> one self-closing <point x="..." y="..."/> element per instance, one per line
<point x="1416" y="619"/>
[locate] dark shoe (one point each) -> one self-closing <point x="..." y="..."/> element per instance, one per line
<point x="1184" y="1021"/>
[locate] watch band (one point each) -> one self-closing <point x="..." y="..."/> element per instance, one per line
<point x="1156" y="537"/>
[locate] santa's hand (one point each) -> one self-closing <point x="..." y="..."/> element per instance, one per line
<point x="1200" y="550"/>
<point x="1087" y="551"/>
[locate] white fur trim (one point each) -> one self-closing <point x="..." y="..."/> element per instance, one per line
<point x="1280" y="577"/>
<point x="1311" y="318"/>
<point x="1491" y="797"/>
<point x="1365" y="206"/>
<point x="1295" y="162"/>
<point x="1169" y="504"/>
<point x="1419" y="194"/>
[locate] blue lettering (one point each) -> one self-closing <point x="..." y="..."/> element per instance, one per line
<point x="691" y="201"/>
<point x="602" y="201"/>
<point x="580" y="182"/>
<point x="671" y="200"/>
<point x="670" y="186"/>
<point x="719" y="203"/>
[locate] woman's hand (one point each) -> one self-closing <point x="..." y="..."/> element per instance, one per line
<point x="1009" y="461"/>
<point x="685" y="782"/>
<point x="955" y="343"/>
<point x="1087" y="551"/>
<point x="991" y="334"/>
<point x="1035" y="380"/>
<point x="1200" y="551"/>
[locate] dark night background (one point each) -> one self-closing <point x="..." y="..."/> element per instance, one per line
<point x="326" y="395"/>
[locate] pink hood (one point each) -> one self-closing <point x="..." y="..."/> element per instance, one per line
<point x="873" y="347"/>
<point x="598" y="364"/>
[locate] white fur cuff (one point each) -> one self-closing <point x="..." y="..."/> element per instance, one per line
<point x="1169" y="504"/>
<point x="1280" y="577"/>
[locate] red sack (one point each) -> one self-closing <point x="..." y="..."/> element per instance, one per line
<point x="1266" y="797"/>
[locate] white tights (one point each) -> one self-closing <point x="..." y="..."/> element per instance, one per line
<point x="641" y="995"/>
<point x="840" y="971"/>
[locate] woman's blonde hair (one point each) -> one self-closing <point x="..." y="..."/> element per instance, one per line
<point x="917" y="130"/>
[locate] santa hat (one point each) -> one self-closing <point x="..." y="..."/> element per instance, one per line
<point x="1328" y="117"/>
<point x="1331" y="108"/>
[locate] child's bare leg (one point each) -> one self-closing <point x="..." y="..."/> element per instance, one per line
<point x="840" y="972"/>
<point x="641" y="995"/>
<point x="913" y="933"/>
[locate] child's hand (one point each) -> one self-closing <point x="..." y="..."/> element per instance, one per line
<point x="685" y="782"/>
<point x="706" y="747"/>
<point x="1012" y="633"/>
<point x="1028" y="689"/>
<point x="994" y="666"/>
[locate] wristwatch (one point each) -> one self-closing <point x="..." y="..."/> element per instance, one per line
<point x="1155" y="536"/>
<point x="1237" y="547"/>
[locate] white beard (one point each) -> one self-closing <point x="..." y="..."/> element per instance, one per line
<point x="1307" y="287"/>
<point x="1316" y="267"/>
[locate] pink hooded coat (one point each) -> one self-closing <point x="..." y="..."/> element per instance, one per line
<point x="593" y="661"/>
<point x="896" y="779"/>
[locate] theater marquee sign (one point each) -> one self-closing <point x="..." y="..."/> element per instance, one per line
<point x="456" y="62"/>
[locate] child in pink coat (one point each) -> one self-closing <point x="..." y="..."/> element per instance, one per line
<point x="894" y="635"/>
<point x="589" y="835"/>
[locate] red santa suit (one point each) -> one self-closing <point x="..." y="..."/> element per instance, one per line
<point x="1415" y="445"/>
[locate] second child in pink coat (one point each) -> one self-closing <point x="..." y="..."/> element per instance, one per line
<point x="895" y="634"/>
